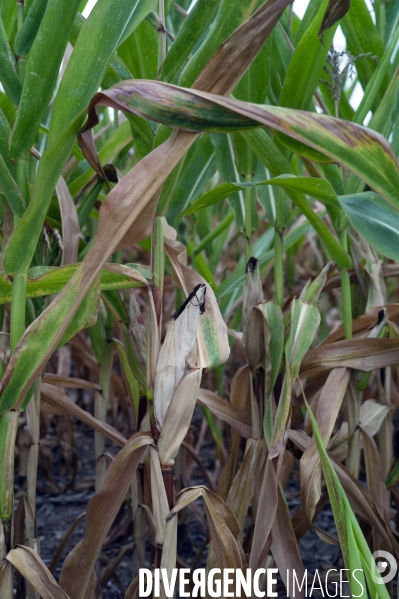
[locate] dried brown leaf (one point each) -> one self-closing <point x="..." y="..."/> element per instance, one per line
<point x="68" y="381"/>
<point x="267" y="509"/>
<point x="70" y="223"/>
<point x="284" y="545"/>
<point x="100" y="514"/>
<point x="243" y="486"/>
<point x="327" y="411"/>
<point x="178" y="417"/>
<point x="237" y="418"/>
<point x="58" y="402"/>
<point x="222" y="523"/>
<point x="35" y="571"/>
<point x="372" y="415"/>
<point x="359" y="354"/>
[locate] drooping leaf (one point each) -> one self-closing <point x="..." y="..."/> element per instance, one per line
<point x="317" y="188"/>
<point x="34" y="570"/>
<point x="48" y="280"/>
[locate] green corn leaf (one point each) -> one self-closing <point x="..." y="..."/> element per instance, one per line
<point x="199" y="166"/>
<point x="86" y="314"/>
<point x="310" y="13"/>
<point x="26" y="35"/>
<point x="8" y="11"/>
<point x="10" y="189"/>
<point x="276" y="163"/>
<point x="49" y="280"/>
<point x="307" y="63"/>
<point x="347" y="525"/>
<point x="131" y="381"/>
<point x="224" y="157"/>
<point x="22" y="245"/>
<point x="8" y="71"/>
<point x="305" y="320"/>
<point x="375" y="83"/>
<point x="229" y="17"/>
<point x="5" y="131"/>
<point x="362" y="37"/>
<point x="115" y="304"/>
<point x="41" y="73"/>
<point x="317" y="188"/>
<point x="262" y="251"/>
<point x="97" y="334"/>
<point x="385" y="114"/>
<point x="363" y="152"/>
<point x="375" y="219"/>
<point x="97" y="42"/>
<point x="140" y="52"/>
<point x="196" y="23"/>
<point x="117" y="70"/>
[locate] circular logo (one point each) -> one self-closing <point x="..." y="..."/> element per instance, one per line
<point x="386" y="566"/>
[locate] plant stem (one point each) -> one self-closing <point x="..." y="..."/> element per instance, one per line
<point x="20" y="22"/>
<point x="158" y="264"/>
<point x="21" y="175"/>
<point x="248" y="219"/>
<point x="161" y="35"/>
<point x="278" y="250"/>
<point x="8" y="431"/>
<point x="18" y="307"/>
<point x="346" y="293"/>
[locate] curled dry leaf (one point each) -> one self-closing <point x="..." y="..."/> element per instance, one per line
<point x="160" y="507"/>
<point x="336" y="9"/>
<point x="222" y="523"/>
<point x="237" y="418"/>
<point x="239" y="398"/>
<point x="372" y="415"/>
<point x="68" y="381"/>
<point x="364" y="323"/>
<point x="178" y="354"/>
<point x="213" y="344"/>
<point x="359" y="354"/>
<point x="58" y="402"/>
<point x="178" y="417"/>
<point x="331" y="137"/>
<point x="375" y="476"/>
<point x="35" y="571"/>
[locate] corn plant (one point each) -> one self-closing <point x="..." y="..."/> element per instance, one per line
<point x="193" y="213"/>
